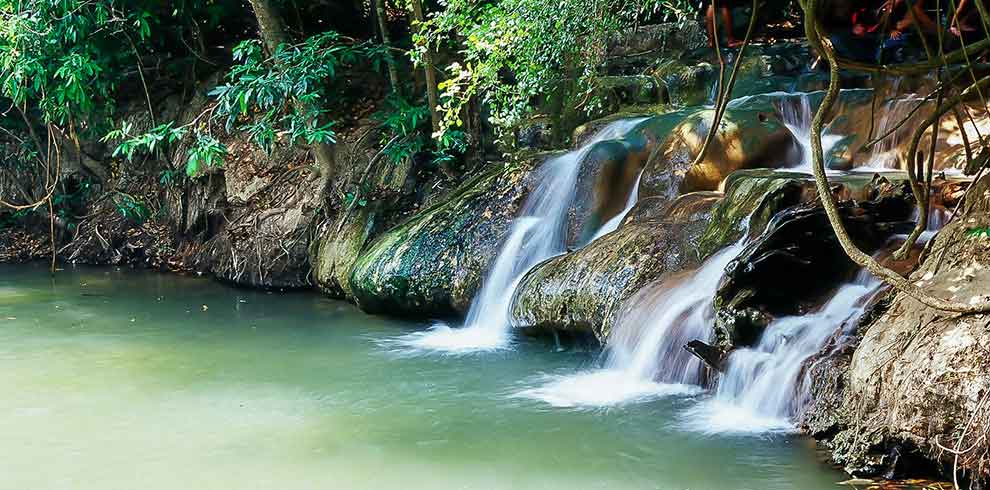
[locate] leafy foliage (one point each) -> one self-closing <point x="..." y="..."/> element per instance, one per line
<point x="288" y="93"/>
<point x="407" y="133"/>
<point x="131" y="208"/>
<point x="205" y="150"/>
<point x="64" y="57"/>
<point x="517" y="51"/>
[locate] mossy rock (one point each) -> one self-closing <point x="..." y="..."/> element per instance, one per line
<point x="335" y="249"/>
<point x="583" y="291"/>
<point x="433" y="264"/>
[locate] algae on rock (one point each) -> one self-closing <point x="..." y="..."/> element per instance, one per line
<point x="433" y="263"/>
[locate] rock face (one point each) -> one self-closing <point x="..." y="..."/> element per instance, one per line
<point x="583" y="290"/>
<point x="919" y="379"/>
<point x="270" y="200"/>
<point x="433" y="264"/>
<point x="687" y="79"/>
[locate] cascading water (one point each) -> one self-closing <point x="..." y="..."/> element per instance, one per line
<point x="762" y="388"/>
<point x="883" y="155"/>
<point x="796" y="114"/>
<point x="648" y="362"/>
<point x="613" y="224"/>
<point x="540" y="232"/>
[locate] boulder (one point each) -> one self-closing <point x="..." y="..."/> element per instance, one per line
<point x="751" y="135"/>
<point x="770" y="277"/>
<point x="336" y="246"/>
<point x="433" y="263"/>
<point x="608" y="173"/>
<point x="792" y="241"/>
<point x="377" y="192"/>
<point x="583" y="290"/>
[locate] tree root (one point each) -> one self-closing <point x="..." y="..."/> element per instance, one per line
<point x="828" y="199"/>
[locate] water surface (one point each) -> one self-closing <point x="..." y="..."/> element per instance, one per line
<point x="118" y="379"/>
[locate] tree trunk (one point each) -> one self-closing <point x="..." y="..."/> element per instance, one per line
<point x="431" y="77"/>
<point x="273" y="34"/>
<point x="270" y="24"/>
<point x="393" y="71"/>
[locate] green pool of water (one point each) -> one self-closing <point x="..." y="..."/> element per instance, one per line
<point x="131" y="380"/>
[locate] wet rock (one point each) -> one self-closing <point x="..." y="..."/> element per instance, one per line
<point x="433" y="263"/>
<point x="920" y="378"/>
<point x="713" y="357"/>
<point x="608" y="172"/>
<point x="377" y="192"/>
<point x="750" y="136"/>
<point x="583" y="290"/>
<point x="794" y="264"/>
<point x="336" y="246"/>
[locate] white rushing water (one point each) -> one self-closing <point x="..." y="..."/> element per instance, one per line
<point x="613" y="224"/>
<point x="884" y="155"/>
<point x="646" y="356"/>
<point x="763" y="387"/>
<point x="537" y="234"/>
<point x="797" y="114"/>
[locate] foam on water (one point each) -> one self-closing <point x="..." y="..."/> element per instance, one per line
<point x="763" y="387"/>
<point x="601" y="388"/>
<point x="645" y="357"/>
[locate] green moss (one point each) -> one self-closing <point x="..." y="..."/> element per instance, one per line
<point x="432" y="263"/>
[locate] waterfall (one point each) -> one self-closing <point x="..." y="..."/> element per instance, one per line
<point x="796" y="114"/>
<point x="537" y="234"/>
<point x="645" y="357"/>
<point x="613" y="224"/>
<point x="883" y="155"/>
<point x="763" y="388"/>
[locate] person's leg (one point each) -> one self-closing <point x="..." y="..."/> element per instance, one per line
<point x="727" y="23"/>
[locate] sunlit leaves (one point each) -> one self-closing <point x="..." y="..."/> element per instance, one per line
<point x="56" y="55"/>
<point x="206" y="151"/>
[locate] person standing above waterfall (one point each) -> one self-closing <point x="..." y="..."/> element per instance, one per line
<point x="905" y="20"/>
<point x="725" y="12"/>
<point x="966" y="23"/>
<point x="854" y="27"/>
